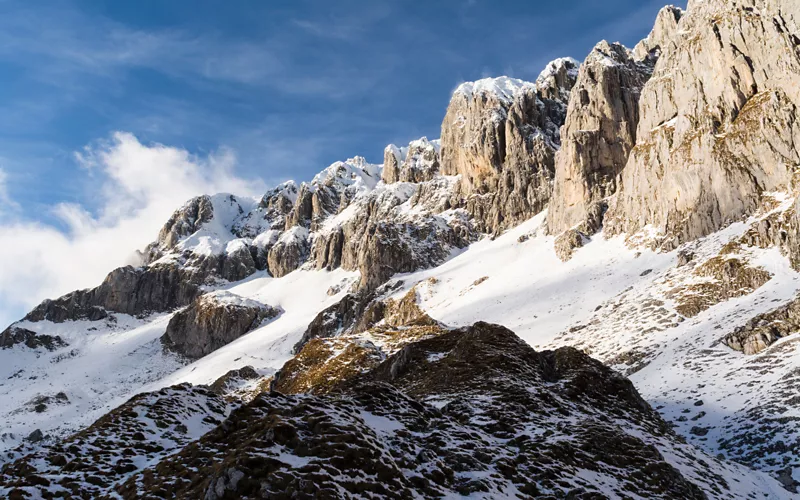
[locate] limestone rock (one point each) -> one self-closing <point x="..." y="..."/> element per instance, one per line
<point x="212" y="321"/>
<point x="392" y="161"/>
<point x="567" y="242"/>
<point x="500" y="135"/>
<point x="186" y="221"/>
<point x="289" y="253"/>
<point x="662" y="35"/>
<point x="127" y="290"/>
<point x="765" y="329"/>
<point x="391" y="230"/>
<point x="419" y="162"/>
<point x="598" y="134"/>
<point x="557" y="79"/>
<point x="718" y="122"/>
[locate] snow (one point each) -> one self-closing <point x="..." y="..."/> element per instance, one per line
<point x="104" y="365"/>
<point x="530" y="290"/>
<point x="555" y="65"/>
<point x="301" y="294"/>
<point x="353" y="172"/>
<point x="226" y="298"/>
<point x="503" y="87"/>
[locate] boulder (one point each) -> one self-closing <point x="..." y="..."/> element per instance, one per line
<point x="212" y="321"/>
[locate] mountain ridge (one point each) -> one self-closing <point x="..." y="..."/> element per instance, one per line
<point x="633" y="206"/>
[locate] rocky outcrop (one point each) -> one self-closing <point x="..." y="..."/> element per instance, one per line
<point x="598" y="134"/>
<point x="721" y="278"/>
<point x="185" y="221"/>
<point x="556" y="80"/>
<point x="239" y="385"/>
<point x="349" y="315"/>
<point x="392" y="230"/>
<point x="662" y="35"/>
<point x="212" y="321"/>
<point x="500" y="135"/>
<point x="14" y="335"/>
<point x="763" y="330"/>
<point x="289" y="252"/>
<point x="718" y="122"/>
<point x="419" y="162"/>
<point x="352" y="337"/>
<point x="506" y="419"/>
<point x="127" y="290"/>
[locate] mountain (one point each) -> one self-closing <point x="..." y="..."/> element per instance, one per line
<point x="586" y="288"/>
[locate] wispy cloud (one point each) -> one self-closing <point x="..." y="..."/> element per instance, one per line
<point x="62" y="47"/>
<point x="138" y="187"/>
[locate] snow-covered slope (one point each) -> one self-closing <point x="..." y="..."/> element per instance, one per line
<point x="615" y="303"/>
<point x="366" y="266"/>
<point x="106" y="362"/>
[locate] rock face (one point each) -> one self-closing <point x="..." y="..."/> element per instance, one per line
<point x="500" y="135"/>
<point x="718" y="122"/>
<point x="509" y="420"/>
<point x="419" y="162"/>
<point x="765" y="329"/>
<point x="394" y="229"/>
<point x="127" y="290"/>
<point x="186" y="221"/>
<point x="14" y="335"/>
<point x="212" y="321"/>
<point x="662" y="36"/>
<point x="598" y="134"/>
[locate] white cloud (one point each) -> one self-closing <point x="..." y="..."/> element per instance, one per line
<point x="138" y="188"/>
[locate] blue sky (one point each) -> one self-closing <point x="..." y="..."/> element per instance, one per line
<point x="270" y="90"/>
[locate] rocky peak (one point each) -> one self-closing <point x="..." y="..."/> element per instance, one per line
<point x="500" y="135"/>
<point x="598" y="135"/>
<point x="718" y="122"/>
<point x="419" y="162"/>
<point x="185" y="221"/>
<point x="663" y="33"/>
<point x="557" y="79"/>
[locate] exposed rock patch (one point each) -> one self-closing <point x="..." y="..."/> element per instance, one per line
<point x="765" y="329"/>
<point x="722" y="278"/>
<point x="239" y="385"/>
<point x="212" y="321"/>
<point x="127" y="290"/>
<point x="14" y="335"/>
